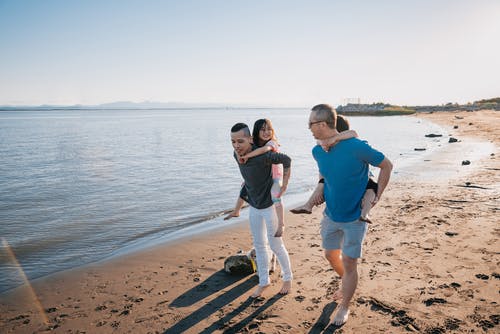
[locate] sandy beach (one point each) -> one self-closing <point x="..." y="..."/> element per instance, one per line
<point x="430" y="265"/>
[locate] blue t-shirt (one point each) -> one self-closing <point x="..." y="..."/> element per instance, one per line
<point x="345" y="169"/>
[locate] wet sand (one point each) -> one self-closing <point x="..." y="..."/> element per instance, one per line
<point x="430" y="265"/>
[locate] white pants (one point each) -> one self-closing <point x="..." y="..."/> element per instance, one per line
<point x="263" y="225"/>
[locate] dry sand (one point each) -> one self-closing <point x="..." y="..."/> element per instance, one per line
<point x="430" y="266"/>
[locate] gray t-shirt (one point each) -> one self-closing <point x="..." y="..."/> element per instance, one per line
<point x="258" y="177"/>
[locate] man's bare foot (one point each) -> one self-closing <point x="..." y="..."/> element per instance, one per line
<point x="260" y="289"/>
<point x="302" y="209"/>
<point x="341" y="316"/>
<point x="337" y="295"/>
<point x="286" y="287"/>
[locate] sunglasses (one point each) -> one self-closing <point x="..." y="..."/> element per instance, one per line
<point x="312" y="123"/>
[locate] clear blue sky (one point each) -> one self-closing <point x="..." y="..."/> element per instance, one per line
<point x="294" y="53"/>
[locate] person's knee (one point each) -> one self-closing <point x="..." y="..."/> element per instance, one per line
<point x="332" y="255"/>
<point x="276" y="247"/>
<point x="259" y="245"/>
<point x="350" y="264"/>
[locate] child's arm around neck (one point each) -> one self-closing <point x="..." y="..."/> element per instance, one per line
<point x="258" y="151"/>
<point x="328" y="143"/>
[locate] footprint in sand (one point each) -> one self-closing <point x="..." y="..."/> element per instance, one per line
<point x="300" y="298"/>
<point x="431" y="301"/>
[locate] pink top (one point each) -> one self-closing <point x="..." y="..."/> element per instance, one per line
<point x="276" y="169"/>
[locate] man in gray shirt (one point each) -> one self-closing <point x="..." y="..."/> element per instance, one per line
<point x="256" y="173"/>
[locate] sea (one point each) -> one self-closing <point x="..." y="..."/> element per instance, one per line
<point x="82" y="186"/>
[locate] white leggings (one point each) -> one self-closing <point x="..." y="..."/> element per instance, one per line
<point x="263" y="225"/>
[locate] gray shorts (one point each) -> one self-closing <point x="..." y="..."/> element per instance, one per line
<point x="346" y="236"/>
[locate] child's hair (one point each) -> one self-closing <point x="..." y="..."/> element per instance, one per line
<point x="342" y="123"/>
<point x="256" y="129"/>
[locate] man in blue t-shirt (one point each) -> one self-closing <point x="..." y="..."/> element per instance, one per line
<point x="344" y="175"/>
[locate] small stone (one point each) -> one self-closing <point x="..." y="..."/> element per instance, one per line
<point x="482" y="276"/>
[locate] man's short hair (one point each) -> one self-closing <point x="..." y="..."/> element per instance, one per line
<point x="241" y="126"/>
<point x="326" y="113"/>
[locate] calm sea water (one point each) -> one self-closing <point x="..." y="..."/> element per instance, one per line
<point x="80" y="186"/>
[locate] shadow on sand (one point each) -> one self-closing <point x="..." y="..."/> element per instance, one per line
<point x="216" y="282"/>
<point x="211" y="285"/>
<point x="323" y="325"/>
<point x="219" y="324"/>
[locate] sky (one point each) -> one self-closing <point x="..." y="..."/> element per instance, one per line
<point x="268" y="53"/>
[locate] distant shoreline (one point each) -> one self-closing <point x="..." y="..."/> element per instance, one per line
<point x="350" y="109"/>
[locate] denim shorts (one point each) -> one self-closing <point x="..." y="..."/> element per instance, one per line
<point x="346" y="236"/>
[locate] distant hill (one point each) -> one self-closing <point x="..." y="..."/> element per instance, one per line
<point x="131" y="105"/>
<point x="157" y="105"/>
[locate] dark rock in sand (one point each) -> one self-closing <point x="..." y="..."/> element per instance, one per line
<point x="482" y="276"/>
<point x="465" y="162"/>
<point x="419" y="149"/>
<point x="238" y="265"/>
<point x="451" y="234"/>
<point x="433" y="135"/>
<point x="455" y="127"/>
<point x="452" y="140"/>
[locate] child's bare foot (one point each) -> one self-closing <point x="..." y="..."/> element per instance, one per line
<point x="365" y="219"/>
<point x="286" y="287"/>
<point x="302" y="209"/>
<point x="232" y="214"/>
<point x="341" y="316"/>
<point x="279" y="231"/>
<point x="260" y="289"/>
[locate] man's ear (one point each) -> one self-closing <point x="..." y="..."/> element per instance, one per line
<point x="251" y="140"/>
